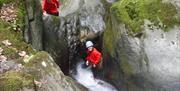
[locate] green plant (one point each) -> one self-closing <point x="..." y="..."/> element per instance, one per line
<point x="133" y="13"/>
<point x="15" y="38"/>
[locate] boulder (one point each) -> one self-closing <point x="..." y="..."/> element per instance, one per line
<point x="48" y="73"/>
<point x="146" y="60"/>
<point x="39" y="73"/>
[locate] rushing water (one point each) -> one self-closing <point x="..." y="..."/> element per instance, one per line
<point x="85" y="77"/>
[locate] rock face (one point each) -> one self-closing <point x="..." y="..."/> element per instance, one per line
<point x="42" y="66"/>
<point x="55" y="42"/>
<point x="33" y="23"/>
<point x="40" y="73"/>
<point x="78" y="22"/>
<point x="147" y="61"/>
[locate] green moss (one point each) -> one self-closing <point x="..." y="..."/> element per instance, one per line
<point x="6" y="1"/>
<point x="108" y="37"/>
<point x="21" y="14"/>
<point x="10" y="53"/>
<point x="61" y="1"/>
<point x="56" y="20"/>
<point x="35" y="62"/>
<point x="15" y="37"/>
<point x="133" y="13"/>
<point x="111" y="34"/>
<point x="14" y="81"/>
<point x="36" y="59"/>
<point x="126" y="67"/>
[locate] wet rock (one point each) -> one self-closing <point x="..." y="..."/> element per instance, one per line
<point x="49" y="76"/>
<point x="145" y="63"/>
<point x="78" y="22"/>
<point x="40" y="73"/>
<point x="33" y="24"/>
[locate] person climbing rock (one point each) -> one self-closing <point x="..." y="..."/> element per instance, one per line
<point x="51" y="7"/>
<point x="94" y="57"/>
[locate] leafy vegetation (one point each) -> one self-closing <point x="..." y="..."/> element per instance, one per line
<point x="20" y="10"/>
<point x="14" y="81"/>
<point x="109" y="36"/>
<point x="15" y="37"/>
<point x="133" y="13"/>
<point x="12" y="31"/>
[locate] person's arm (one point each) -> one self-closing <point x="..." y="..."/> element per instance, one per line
<point x="57" y="3"/>
<point x="87" y="62"/>
<point x="87" y="59"/>
<point x="43" y="6"/>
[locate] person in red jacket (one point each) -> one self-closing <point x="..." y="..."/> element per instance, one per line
<point x="94" y="57"/>
<point x="51" y="7"/>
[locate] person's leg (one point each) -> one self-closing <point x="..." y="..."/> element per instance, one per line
<point x="95" y="72"/>
<point x="84" y="64"/>
<point x="96" y="69"/>
<point x="99" y="66"/>
<point x="55" y="14"/>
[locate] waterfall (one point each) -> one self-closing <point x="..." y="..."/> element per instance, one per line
<point x="85" y="77"/>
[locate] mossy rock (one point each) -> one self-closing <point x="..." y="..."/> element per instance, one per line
<point x="56" y="20"/>
<point x="127" y="68"/>
<point x="111" y="34"/>
<point x="15" y="81"/>
<point x="133" y="13"/>
<point x="35" y="65"/>
<point x="15" y="38"/>
<point x="36" y="59"/>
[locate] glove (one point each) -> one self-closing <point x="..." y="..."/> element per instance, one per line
<point x="87" y="63"/>
<point x="94" y="65"/>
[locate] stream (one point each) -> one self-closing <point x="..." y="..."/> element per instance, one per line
<point x="85" y="77"/>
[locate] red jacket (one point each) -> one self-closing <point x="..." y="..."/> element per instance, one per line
<point x="51" y="6"/>
<point x="94" y="56"/>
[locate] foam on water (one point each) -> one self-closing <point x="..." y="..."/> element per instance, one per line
<point x="85" y="77"/>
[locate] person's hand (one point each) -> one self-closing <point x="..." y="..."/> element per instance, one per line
<point x="45" y="14"/>
<point x="94" y="65"/>
<point x="87" y="63"/>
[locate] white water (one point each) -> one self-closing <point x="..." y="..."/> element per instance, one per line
<point x="85" y="77"/>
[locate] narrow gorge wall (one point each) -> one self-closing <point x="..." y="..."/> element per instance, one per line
<point x="139" y="52"/>
<point x="141" y="61"/>
<point x="79" y="20"/>
<point x="33" y="24"/>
